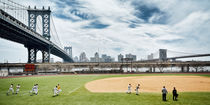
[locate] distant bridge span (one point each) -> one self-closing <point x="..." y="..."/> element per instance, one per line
<point x="189" y="56"/>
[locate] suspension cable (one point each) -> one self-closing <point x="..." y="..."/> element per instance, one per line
<point x="56" y="32"/>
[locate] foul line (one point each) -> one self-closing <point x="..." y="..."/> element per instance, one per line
<point x="74" y="90"/>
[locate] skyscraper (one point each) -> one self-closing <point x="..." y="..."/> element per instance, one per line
<point x="76" y="59"/>
<point x="131" y="56"/>
<point x="120" y="57"/>
<point x="82" y="57"/>
<point x="97" y="57"/>
<point x="150" y="57"/>
<point x="106" y="58"/>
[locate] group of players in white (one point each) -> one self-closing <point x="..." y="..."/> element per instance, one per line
<point x="34" y="90"/>
<point x="137" y="89"/>
<point x="12" y="90"/>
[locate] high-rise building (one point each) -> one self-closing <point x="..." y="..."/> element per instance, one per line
<point x="97" y="57"/>
<point x="133" y="57"/>
<point x="82" y="57"/>
<point x="150" y="57"/>
<point x="76" y="59"/>
<point x="106" y="58"/>
<point x="69" y="51"/>
<point x="120" y="57"/>
<point x="92" y="59"/>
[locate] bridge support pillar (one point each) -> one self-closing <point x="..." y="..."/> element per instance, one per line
<point x="45" y="56"/>
<point x="188" y="68"/>
<point x="32" y="55"/>
<point x="153" y="69"/>
<point x="150" y="69"/>
<point x="182" y="69"/>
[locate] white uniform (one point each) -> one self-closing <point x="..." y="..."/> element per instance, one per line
<point x="11" y="89"/>
<point x="55" y="91"/>
<point x="32" y="90"/>
<point x="129" y="89"/>
<point x="17" y="88"/>
<point x="36" y="89"/>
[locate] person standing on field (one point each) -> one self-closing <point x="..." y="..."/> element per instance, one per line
<point x="10" y="89"/>
<point x="175" y="95"/>
<point x="34" y="89"/>
<point x="164" y="93"/>
<point x="17" y="88"/>
<point x="129" y="89"/>
<point x="137" y="89"/>
<point x="55" y="91"/>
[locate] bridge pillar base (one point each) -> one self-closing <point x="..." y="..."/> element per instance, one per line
<point x="32" y="55"/>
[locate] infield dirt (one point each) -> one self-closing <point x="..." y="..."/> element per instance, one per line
<point x="151" y="84"/>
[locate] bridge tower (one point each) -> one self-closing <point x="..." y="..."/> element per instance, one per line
<point x="69" y="51"/>
<point x="162" y="54"/>
<point x="32" y="21"/>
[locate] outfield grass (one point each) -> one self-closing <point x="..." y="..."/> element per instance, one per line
<point x="74" y="93"/>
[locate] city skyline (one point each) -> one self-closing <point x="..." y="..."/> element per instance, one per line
<point x="120" y="26"/>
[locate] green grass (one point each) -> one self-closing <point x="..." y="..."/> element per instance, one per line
<point x="74" y="93"/>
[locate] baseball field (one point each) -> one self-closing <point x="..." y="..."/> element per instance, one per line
<point x="193" y="89"/>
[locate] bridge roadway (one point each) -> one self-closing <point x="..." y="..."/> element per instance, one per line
<point x="189" y="56"/>
<point x="115" y="64"/>
<point x="14" y="30"/>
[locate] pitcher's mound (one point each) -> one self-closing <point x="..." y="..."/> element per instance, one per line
<point x="151" y="84"/>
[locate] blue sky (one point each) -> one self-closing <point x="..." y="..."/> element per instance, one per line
<point x="139" y="27"/>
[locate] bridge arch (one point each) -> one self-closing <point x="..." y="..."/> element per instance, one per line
<point x="39" y="26"/>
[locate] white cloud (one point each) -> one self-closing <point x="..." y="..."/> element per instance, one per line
<point x="185" y="19"/>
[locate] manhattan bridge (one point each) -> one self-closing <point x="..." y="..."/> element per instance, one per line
<point x="19" y="24"/>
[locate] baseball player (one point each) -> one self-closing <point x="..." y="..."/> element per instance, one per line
<point x="17" y="88"/>
<point x="175" y="95"/>
<point x="164" y="93"/>
<point x="55" y="91"/>
<point x="137" y="89"/>
<point x="10" y="89"/>
<point x="129" y="89"/>
<point x="34" y="89"/>
<point x="59" y="88"/>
